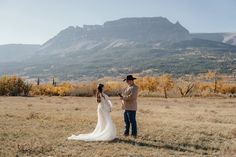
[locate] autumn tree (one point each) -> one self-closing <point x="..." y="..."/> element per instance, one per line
<point x="148" y="83"/>
<point x="213" y="75"/>
<point x="165" y="83"/>
<point x="113" y="87"/>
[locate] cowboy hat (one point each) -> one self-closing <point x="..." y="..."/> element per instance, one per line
<point x="129" y="77"/>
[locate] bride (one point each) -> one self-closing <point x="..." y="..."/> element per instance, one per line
<point x="105" y="129"/>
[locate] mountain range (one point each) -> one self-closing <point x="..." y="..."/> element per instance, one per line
<point x="145" y="45"/>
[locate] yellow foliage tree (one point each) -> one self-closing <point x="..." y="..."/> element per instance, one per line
<point x="213" y="75"/>
<point x="113" y="87"/>
<point x="165" y="83"/>
<point x="148" y="83"/>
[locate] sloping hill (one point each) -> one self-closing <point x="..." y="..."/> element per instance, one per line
<point x="17" y="52"/>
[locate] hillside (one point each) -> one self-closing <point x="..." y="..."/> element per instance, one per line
<point x="17" y="52"/>
<point x="228" y="38"/>
<point x="130" y="45"/>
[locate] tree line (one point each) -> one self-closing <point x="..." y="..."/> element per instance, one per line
<point x="210" y="84"/>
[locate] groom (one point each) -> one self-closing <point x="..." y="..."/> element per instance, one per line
<point x="129" y="105"/>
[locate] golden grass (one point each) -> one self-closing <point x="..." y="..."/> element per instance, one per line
<point x="39" y="126"/>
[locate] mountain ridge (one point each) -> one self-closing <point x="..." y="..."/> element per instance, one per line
<point x="128" y="45"/>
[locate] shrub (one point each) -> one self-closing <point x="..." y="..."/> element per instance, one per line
<point x="14" y="86"/>
<point x="148" y="86"/>
<point x="84" y="89"/>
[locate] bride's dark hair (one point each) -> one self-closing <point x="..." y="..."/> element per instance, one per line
<point x="99" y="92"/>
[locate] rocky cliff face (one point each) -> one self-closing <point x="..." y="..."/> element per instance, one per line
<point x="144" y="30"/>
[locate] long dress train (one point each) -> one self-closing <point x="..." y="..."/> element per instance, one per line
<point x="105" y="129"/>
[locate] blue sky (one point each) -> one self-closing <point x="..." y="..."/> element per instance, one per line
<point x="35" y="21"/>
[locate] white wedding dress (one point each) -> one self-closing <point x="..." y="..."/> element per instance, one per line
<point x="105" y="129"/>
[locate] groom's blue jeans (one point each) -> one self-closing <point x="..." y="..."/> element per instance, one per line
<point x="130" y="118"/>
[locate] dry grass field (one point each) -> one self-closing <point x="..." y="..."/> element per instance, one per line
<point x="39" y="126"/>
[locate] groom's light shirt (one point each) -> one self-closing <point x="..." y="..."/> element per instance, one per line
<point x="130" y="95"/>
